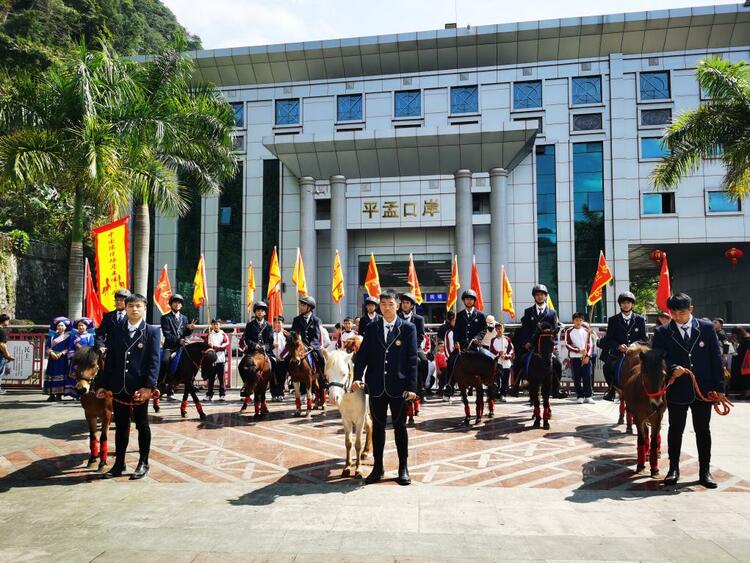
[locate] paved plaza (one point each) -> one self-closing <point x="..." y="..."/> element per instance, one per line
<point x="233" y="489"/>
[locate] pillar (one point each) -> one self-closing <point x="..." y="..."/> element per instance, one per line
<point x="307" y="237"/>
<point x="464" y="229"/>
<point x="339" y="239"/>
<point x="498" y="233"/>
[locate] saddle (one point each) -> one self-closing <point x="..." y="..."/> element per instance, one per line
<point x="174" y="360"/>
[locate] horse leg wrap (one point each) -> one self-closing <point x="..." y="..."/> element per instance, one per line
<point x="622" y="407"/>
<point x="323" y="396"/>
<point x="309" y="404"/>
<point x="298" y="404"/>
<point x="257" y="407"/>
<point x="416" y="406"/>
<point x="491" y="405"/>
<point x="658" y="445"/>
<point x="537" y="411"/>
<point x="547" y="413"/>
<point x="630" y="419"/>
<point x="199" y="407"/>
<point x="94" y="447"/>
<point x="480" y="408"/>
<point x="641" y="454"/>
<point x="183" y="407"/>
<point x="411" y="410"/>
<point x="467" y="411"/>
<point x="104" y="453"/>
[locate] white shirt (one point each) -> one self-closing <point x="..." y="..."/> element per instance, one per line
<point x="470" y="312"/>
<point x="132" y="328"/>
<point x="503" y="345"/>
<point x="386" y="325"/>
<point x="540" y="310"/>
<point x="218" y="339"/>
<point x="578" y="338"/>
<point x="688" y="326"/>
<point x="488" y="336"/>
<point x="627" y="317"/>
<point x="279" y="341"/>
<point x="121" y="315"/>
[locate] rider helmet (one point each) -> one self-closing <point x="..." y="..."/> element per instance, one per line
<point x="626" y="296"/>
<point x="176" y="297"/>
<point x="307" y="300"/>
<point x="540" y="287"/>
<point x="470" y="293"/>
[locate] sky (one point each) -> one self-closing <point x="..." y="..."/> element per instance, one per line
<point x="239" y="23"/>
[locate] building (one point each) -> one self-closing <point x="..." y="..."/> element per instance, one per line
<point x="527" y="145"/>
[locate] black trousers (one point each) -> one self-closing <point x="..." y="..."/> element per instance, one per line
<point x="701" y="412"/>
<point x="217" y="371"/>
<point x="379" y="411"/>
<point x="279" y="378"/>
<point x="122" y="429"/>
<point x="581" y="377"/>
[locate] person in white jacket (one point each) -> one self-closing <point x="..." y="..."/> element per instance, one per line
<point x="579" y="343"/>
<point x="502" y="347"/>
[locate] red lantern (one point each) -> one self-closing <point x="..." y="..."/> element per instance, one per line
<point x="733" y="255"/>
<point x="657" y="256"/>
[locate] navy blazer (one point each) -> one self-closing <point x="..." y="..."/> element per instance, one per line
<point x="174" y="330"/>
<point x="418" y="322"/>
<point x="618" y="332"/>
<point x="702" y="356"/>
<point x="254" y="335"/>
<point x="467" y="329"/>
<point x="132" y="363"/>
<point x="308" y="331"/>
<point x="364" y="322"/>
<point x="530" y="323"/>
<point x="391" y="367"/>
<point x="107" y="327"/>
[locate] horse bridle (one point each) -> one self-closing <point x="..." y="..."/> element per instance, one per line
<point x="192" y="361"/>
<point x="347" y="385"/>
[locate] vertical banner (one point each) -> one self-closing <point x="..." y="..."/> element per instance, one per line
<point x="111" y="248"/>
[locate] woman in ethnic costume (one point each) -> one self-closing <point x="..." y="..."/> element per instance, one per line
<point x="82" y="335"/>
<point x="57" y="359"/>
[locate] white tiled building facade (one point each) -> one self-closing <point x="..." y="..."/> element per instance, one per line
<point x="483" y="140"/>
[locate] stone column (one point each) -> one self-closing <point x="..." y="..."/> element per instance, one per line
<point x="464" y="229"/>
<point x="498" y="233"/>
<point x="339" y="240"/>
<point x="307" y="237"/>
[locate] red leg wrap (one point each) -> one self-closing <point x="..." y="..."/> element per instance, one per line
<point x="491" y="404"/>
<point x="622" y="407"/>
<point x="257" y="407"/>
<point x="467" y="411"/>
<point x="630" y="419"/>
<point x="537" y="411"/>
<point x="183" y="406"/>
<point x="309" y="404"/>
<point x="658" y="444"/>
<point x="480" y="408"/>
<point x="246" y="401"/>
<point x="410" y="412"/>
<point x="199" y="407"/>
<point x="104" y="451"/>
<point x="323" y="396"/>
<point x="94" y="447"/>
<point x="416" y="406"/>
<point x="641" y="454"/>
<point x="298" y="404"/>
<point x="547" y="413"/>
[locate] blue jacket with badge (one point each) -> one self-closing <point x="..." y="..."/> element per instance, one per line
<point x="621" y="332"/>
<point x="132" y="363"/>
<point x="174" y="328"/>
<point x="531" y="320"/>
<point x="308" y="330"/>
<point x="701" y="355"/>
<point x="391" y="366"/>
<point x="468" y="327"/>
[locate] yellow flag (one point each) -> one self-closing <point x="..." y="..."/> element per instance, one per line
<point x="199" y="281"/>
<point x="298" y="275"/>
<point x="507" y="298"/>
<point x="275" y="305"/>
<point x="250" y="287"/>
<point x="550" y="306"/>
<point x="337" y="284"/>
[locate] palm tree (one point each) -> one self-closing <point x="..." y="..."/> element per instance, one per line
<point x="718" y="128"/>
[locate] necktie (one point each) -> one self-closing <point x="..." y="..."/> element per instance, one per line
<point x="388" y="329"/>
<point x="120" y="316"/>
<point x="686" y="336"/>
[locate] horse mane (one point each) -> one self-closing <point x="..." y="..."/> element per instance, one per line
<point x="86" y="357"/>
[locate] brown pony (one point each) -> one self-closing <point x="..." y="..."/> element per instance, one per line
<point x="255" y="370"/>
<point x="540" y="373"/>
<point x="87" y="362"/>
<point x="475" y="369"/>
<point x="193" y="356"/>
<point x="643" y="379"/>
<point x="301" y="371"/>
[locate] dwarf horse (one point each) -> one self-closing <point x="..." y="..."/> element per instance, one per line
<point x="301" y="371"/>
<point x="540" y="371"/>
<point x="475" y="369"/>
<point x="643" y="379"/>
<point x="192" y="356"/>
<point x="255" y="369"/>
<point x="352" y="406"/>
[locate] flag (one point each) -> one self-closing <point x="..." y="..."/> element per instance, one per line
<point x="372" y="279"/>
<point x="337" y="283"/>
<point x="550" y="306"/>
<point x="111" y="251"/>
<point x="200" y="297"/>
<point x="507" y="297"/>
<point x="454" y="286"/>
<point x="250" y="287"/>
<point x="298" y="275"/>
<point x="162" y="292"/>
<point x="94" y="309"/>
<point x="411" y="279"/>
<point x="476" y="284"/>
<point x="602" y="277"/>
<point x="664" y="290"/>
<point x="275" y="306"/>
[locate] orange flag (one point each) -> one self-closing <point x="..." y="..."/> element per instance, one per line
<point x="372" y="279"/>
<point x="275" y="306"/>
<point x="602" y="277"/>
<point x="163" y="291"/>
<point x="337" y="283"/>
<point x="298" y="275"/>
<point x="94" y="309"/>
<point x="507" y="298"/>
<point x="413" y="282"/>
<point x="250" y="287"/>
<point x="476" y="285"/>
<point x="454" y="286"/>
<point x="200" y="297"/>
<point x="664" y="290"/>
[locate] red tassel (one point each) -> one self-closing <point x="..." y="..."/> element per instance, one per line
<point x="94" y="447"/>
<point x="467" y="411"/>
<point x="105" y="451"/>
<point x="298" y="403"/>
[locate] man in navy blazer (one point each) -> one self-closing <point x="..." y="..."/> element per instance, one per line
<point x="131" y="370"/>
<point x="387" y="359"/>
<point x="111" y="319"/>
<point x="690" y="344"/>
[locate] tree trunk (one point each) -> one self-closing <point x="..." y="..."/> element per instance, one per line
<point x="75" y="262"/>
<point x="141" y="240"/>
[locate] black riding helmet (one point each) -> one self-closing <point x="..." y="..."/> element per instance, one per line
<point x="470" y="293"/>
<point x="260" y="305"/>
<point x="626" y="296"/>
<point x="176" y="297"/>
<point x="409" y="297"/>
<point x="307" y="300"/>
<point x="122" y="293"/>
<point x="540" y="287"/>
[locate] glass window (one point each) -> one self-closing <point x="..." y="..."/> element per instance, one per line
<point x="655" y="85"/>
<point x="408" y="103"/>
<point x="349" y="107"/>
<point x="587" y="90"/>
<point x="587" y="122"/>
<point x="652" y="147"/>
<point x="527" y="94"/>
<point x="229" y="241"/>
<point x="546" y="217"/>
<point x="720" y="202"/>
<point x="658" y="203"/>
<point x="465" y="99"/>
<point x="287" y="112"/>
<point x="189" y="249"/>
<point x="656" y="116"/>
<point x="239" y="113"/>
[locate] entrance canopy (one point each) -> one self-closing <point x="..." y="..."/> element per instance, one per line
<point x="403" y="152"/>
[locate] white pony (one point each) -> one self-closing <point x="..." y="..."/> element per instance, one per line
<point x="352" y="406"/>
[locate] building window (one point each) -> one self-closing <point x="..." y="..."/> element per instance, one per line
<point x="655" y="86"/>
<point x="408" y="103"/>
<point x="238" y="143"/>
<point x="527" y="95"/>
<point x="587" y="90"/>
<point x="239" y="113"/>
<point x="480" y="203"/>
<point x="720" y="202"/>
<point x="587" y="122"/>
<point x="349" y="107"/>
<point x="650" y="117"/>
<point x="271" y="212"/>
<point x="588" y="203"/>
<point x="658" y="203"/>
<point x="546" y="217"/>
<point x="465" y="99"/>
<point x="652" y="148"/>
<point x="229" y="250"/>
<point x="287" y="112"/>
<point x="188" y="249"/>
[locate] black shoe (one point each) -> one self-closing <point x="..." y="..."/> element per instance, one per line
<point x="610" y="395"/>
<point x="375" y="476"/>
<point x="706" y="479"/>
<point x="140" y="472"/>
<point x="403" y="478"/>
<point x="672" y="477"/>
<point x="116" y="471"/>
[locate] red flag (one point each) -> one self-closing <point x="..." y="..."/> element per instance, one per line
<point x="454" y="286"/>
<point x="476" y="285"/>
<point x="602" y="277"/>
<point x="411" y="279"/>
<point x="94" y="309"/>
<point x="163" y="291"/>
<point x="372" y="279"/>
<point x="664" y="291"/>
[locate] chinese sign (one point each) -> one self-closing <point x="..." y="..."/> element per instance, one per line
<point x="23" y="366"/>
<point x="436" y="297"/>
<point x="111" y="251"/>
<point x="394" y="211"/>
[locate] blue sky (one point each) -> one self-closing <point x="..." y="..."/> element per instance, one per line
<point x="236" y="23"/>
